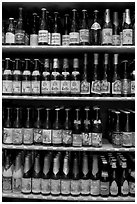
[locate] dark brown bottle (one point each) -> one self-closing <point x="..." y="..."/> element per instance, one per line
<point x="47" y="131"/>
<point x="116" y="30"/>
<point x="17" y="133"/>
<point x="28" y="128"/>
<point x="19" y="31"/>
<point x="46" y="79"/>
<point x="26" y="79"/>
<point x="36" y="176"/>
<point x="125" y="80"/>
<point x="56" y="33"/>
<point x="104" y="180"/>
<point x="132" y="177"/>
<point x="121" y="28"/>
<point x="67" y="129"/>
<point x="7" y="130"/>
<point x="38" y="127"/>
<point x="27" y="31"/>
<point x="114" y="188"/>
<point x="107" y="29"/>
<point x="65" y="78"/>
<point x="75" y="78"/>
<point x="57" y="130"/>
<point x="95" y="30"/>
<point x="36" y="78"/>
<point x="84" y="29"/>
<point x="74" y="30"/>
<point x="55" y="78"/>
<point x="66" y="31"/>
<point x="116" y="81"/>
<point x="34" y="31"/>
<point x="124" y="184"/>
<point x="126" y="130"/>
<point x="132" y="75"/>
<point x="17" y="77"/>
<point x="10" y="34"/>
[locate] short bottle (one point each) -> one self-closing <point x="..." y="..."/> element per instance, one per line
<point x="10" y="34"/>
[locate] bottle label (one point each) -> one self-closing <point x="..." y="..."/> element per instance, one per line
<point x="127" y="37"/>
<point x="116" y="40"/>
<point x="95" y="26"/>
<point x="107" y="36"/>
<point x="7" y="184"/>
<point x="35" y="87"/>
<point x="133" y="139"/>
<point x="84" y="36"/>
<point x="75" y="87"/>
<point x="126" y="86"/>
<point x="105" y="87"/>
<point x="3" y="38"/>
<point x="57" y="137"/>
<point x="104" y="188"/>
<point x="96" y="139"/>
<point x="85" y="87"/>
<point x="7" y="86"/>
<point x="132" y="87"/>
<point x="85" y="186"/>
<point x="37" y="135"/>
<point x="55" y="186"/>
<point x="95" y="187"/>
<point x="114" y="188"/>
<point x="77" y="140"/>
<point x="45" y="87"/>
<point x="20" y="38"/>
<point x="65" y="86"/>
<point x="36" y="185"/>
<point x="127" y="139"/>
<point x="7" y="136"/>
<point x="17" y="135"/>
<point x="65" y="186"/>
<point x="28" y="136"/>
<point x="16" y="185"/>
<point x="86" y="139"/>
<point x="45" y="186"/>
<point x="132" y="187"/>
<point x="26" y="87"/>
<point x="46" y="136"/>
<point x="55" y="86"/>
<point x="96" y="87"/>
<point x="65" y="40"/>
<point x="74" y="38"/>
<point x="116" y="87"/>
<point x="49" y="38"/>
<point x="117" y="138"/>
<point x="55" y="39"/>
<point x="26" y="185"/>
<point x="125" y="188"/>
<point x="67" y="136"/>
<point x="43" y="36"/>
<point x="10" y="38"/>
<point x="33" y="40"/>
<point x="75" y="187"/>
<point x="17" y="87"/>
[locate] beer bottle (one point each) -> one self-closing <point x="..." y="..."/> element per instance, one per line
<point x="84" y="181"/>
<point x="127" y="29"/>
<point x="126" y="130"/>
<point x="3" y="33"/>
<point x="107" y="29"/>
<point x="17" y="133"/>
<point x="114" y="180"/>
<point x="27" y="31"/>
<point x="95" y="177"/>
<point x="10" y="34"/>
<point x="124" y="184"/>
<point x="17" y="175"/>
<point x="84" y="29"/>
<point x="28" y="128"/>
<point x="56" y="34"/>
<point x="116" y="81"/>
<point x="132" y="74"/>
<point x="57" y="130"/>
<point x="19" y="31"/>
<point x="125" y="80"/>
<point x="105" y="82"/>
<point x="134" y="30"/>
<point x="43" y="28"/>
<point x="76" y="134"/>
<point x="34" y="31"/>
<point x="26" y="179"/>
<point x="104" y="180"/>
<point x="75" y="178"/>
<point x="67" y="129"/>
<point x="36" y="176"/>
<point x="132" y="177"/>
<point x="36" y="78"/>
<point x="66" y="31"/>
<point x="55" y="78"/>
<point x="38" y="128"/>
<point x="116" y="30"/>
<point x="74" y="29"/>
<point x="65" y="81"/>
<point x="50" y="28"/>
<point x="7" y="130"/>
<point x="96" y="134"/>
<point x="86" y="133"/>
<point x="47" y="131"/>
<point x="7" y="78"/>
<point x="95" y="30"/>
<point x="17" y="77"/>
<point x="95" y="80"/>
<point x="85" y="84"/>
<point x="75" y="78"/>
<point x="132" y="120"/>
<point x="65" y="177"/>
<point x="45" y="82"/>
<point x="26" y="79"/>
<point x="121" y="29"/>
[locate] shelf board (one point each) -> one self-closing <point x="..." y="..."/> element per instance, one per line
<point x="70" y="198"/>
<point x="66" y="49"/>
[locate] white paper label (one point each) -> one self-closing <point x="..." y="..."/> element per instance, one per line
<point x="95" y="26"/>
<point x="84" y="35"/>
<point x="45" y="87"/>
<point x="36" y="185"/>
<point x="114" y="188"/>
<point x="105" y="87"/>
<point x="86" y="139"/>
<point x="127" y="139"/>
<point x="55" y="187"/>
<point x="94" y="187"/>
<point x="55" y="39"/>
<point x="26" y="185"/>
<point x="57" y="137"/>
<point x="10" y="38"/>
<point x="45" y="186"/>
<point x="43" y="36"/>
<point x="26" y="87"/>
<point x="116" y="87"/>
<point x="16" y="185"/>
<point x="33" y="40"/>
<point x="74" y="38"/>
<point x="85" y="87"/>
<point x="116" y="40"/>
<point x="35" y="87"/>
<point x="75" y="87"/>
<point x="96" y="139"/>
<point x="7" y="87"/>
<point x="17" y="87"/>
<point x="85" y="186"/>
<point x="65" y="86"/>
<point x="28" y="135"/>
<point x="77" y="140"/>
<point x="125" y="188"/>
<point x="46" y="136"/>
<point x="65" y="187"/>
<point x="107" y="36"/>
<point x="17" y="135"/>
<point x="132" y="87"/>
<point x="37" y="135"/>
<point x="96" y="87"/>
<point x="127" y="37"/>
<point x="75" y="187"/>
<point x="104" y="188"/>
<point x="65" y="40"/>
<point x="55" y="86"/>
<point x="7" y="136"/>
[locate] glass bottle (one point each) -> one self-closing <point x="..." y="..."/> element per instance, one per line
<point x="57" y="130"/>
<point x="56" y="33"/>
<point x="55" y="78"/>
<point x="49" y="28"/>
<point x="3" y="33"/>
<point x="116" y="81"/>
<point x="19" y="31"/>
<point x="17" y="77"/>
<point x="107" y="29"/>
<point x="84" y="29"/>
<point x="114" y="185"/>
<point x="121" y="29"/>
<point x="104" y="180"/>
<point x="67" y="129"/>
<point x="26" y="79"/>
<point x="36" y="176"/>
<point x="36" y="78"/>
<point x="66" y="30"/>
<point x="116" y="30"/>
<point x="47" y="131"/>
<point x="28" y="128"/>
<point x="74" y="29"/>
<point x="125" y="80"/>
<point x="65" y="81"/>
<point x="34" y="31"/>
<point x="10" y="34"/>
<point x="124" y="183"/>
<point x="37" y="131"/>
<point x="126" y="130"/>
<point x="132" y="177"/>
<point x="75" y="78"/>
<point x="46" y="79"/>
<point x="27" y="31"/>
<point x="7" y="130"/>
<point x="132" y="75"/>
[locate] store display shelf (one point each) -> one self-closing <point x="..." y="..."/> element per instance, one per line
<point x="70" y="198"/>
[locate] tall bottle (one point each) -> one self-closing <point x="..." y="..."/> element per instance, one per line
<point x="27" y="31"/>
<point x="34" y="31"/>
<point x="124" y="184"/>
<point x="37" y="131"/>
<point x="116" y="130"/>
<point x="65" y="78"/>
<point x="67" y="129"/>
<point x="66" y="31"/>
<point x="57" y="130"/>
<point x="116" y="81"/>
<point x="7" y="130"/>
<point x="28" y="128"/>
<point x="132" y="178"/>
<point x="36" y="78"/>
<point x="7" y="78"/>
<point x="46" y="79"/>
<point x="126" y="130"/>
<point x="127" y="29"/>
<point x="3" y="33"/>
<point x="114" y="185"/>
<point x="121" y="28"/>
<point x="56" y="33"/>
<point x="75" y="78"/>
<point x="116" y="30"/>
<point x="19" y="31"/>
<point x="132" y="76"/>
<point x="85" y="84"/>
<point x="36" y="176"/>
<point x="95" y="30"/>
<point x="47" y="131"/>
<point x="43" y="29"/>
<point x="125" y="80"/>
<point x="17" y="133"/>
<point x="104" y="180"/>
<point x="84" y="29"/>
<point x="26" y="79"/>
<point x="74" y="30"/>
<point x="107" y="29"/>
<point x="10" y="34"/>
<point x="17" y="77"/>
<point x="55" y="78"/>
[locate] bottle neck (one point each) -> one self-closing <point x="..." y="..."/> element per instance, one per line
<point x="65" y="65"/>
<point x="17" y="115"/>
<point x="115" y="19"/>
<point x="27" y="65"/>
<point x="75" y="64"/>
<point x="75" y="167"/>
<point x="8" y="114"/>
<point x="107" y="16"/>
<point x="38" y="114"/>
<point x="17" y="64"/>
<point x="47" y="114"/>
<point x="46" y="65"/>
<point x="95" y="165"/>
<point x="66" y="166"/>
<point x="7" y="64"/>
<point x="95" y="16"/>
<point x="57" y="115"/>
<point x="20" y="14"/>
<point x="56" y="166"/>
<point x="18" y="163"/>
<point x="77" y="115"/>
<point x="36" y="65"/>
<point x="28" y="114"/>
<point x="27" y="164"/>
<point x="85" y="165"/>
<point x="55" y="65"/>
<point x="37" y="165"/>
<point x="46" y="167"/>
<point x="127" y="17"/>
